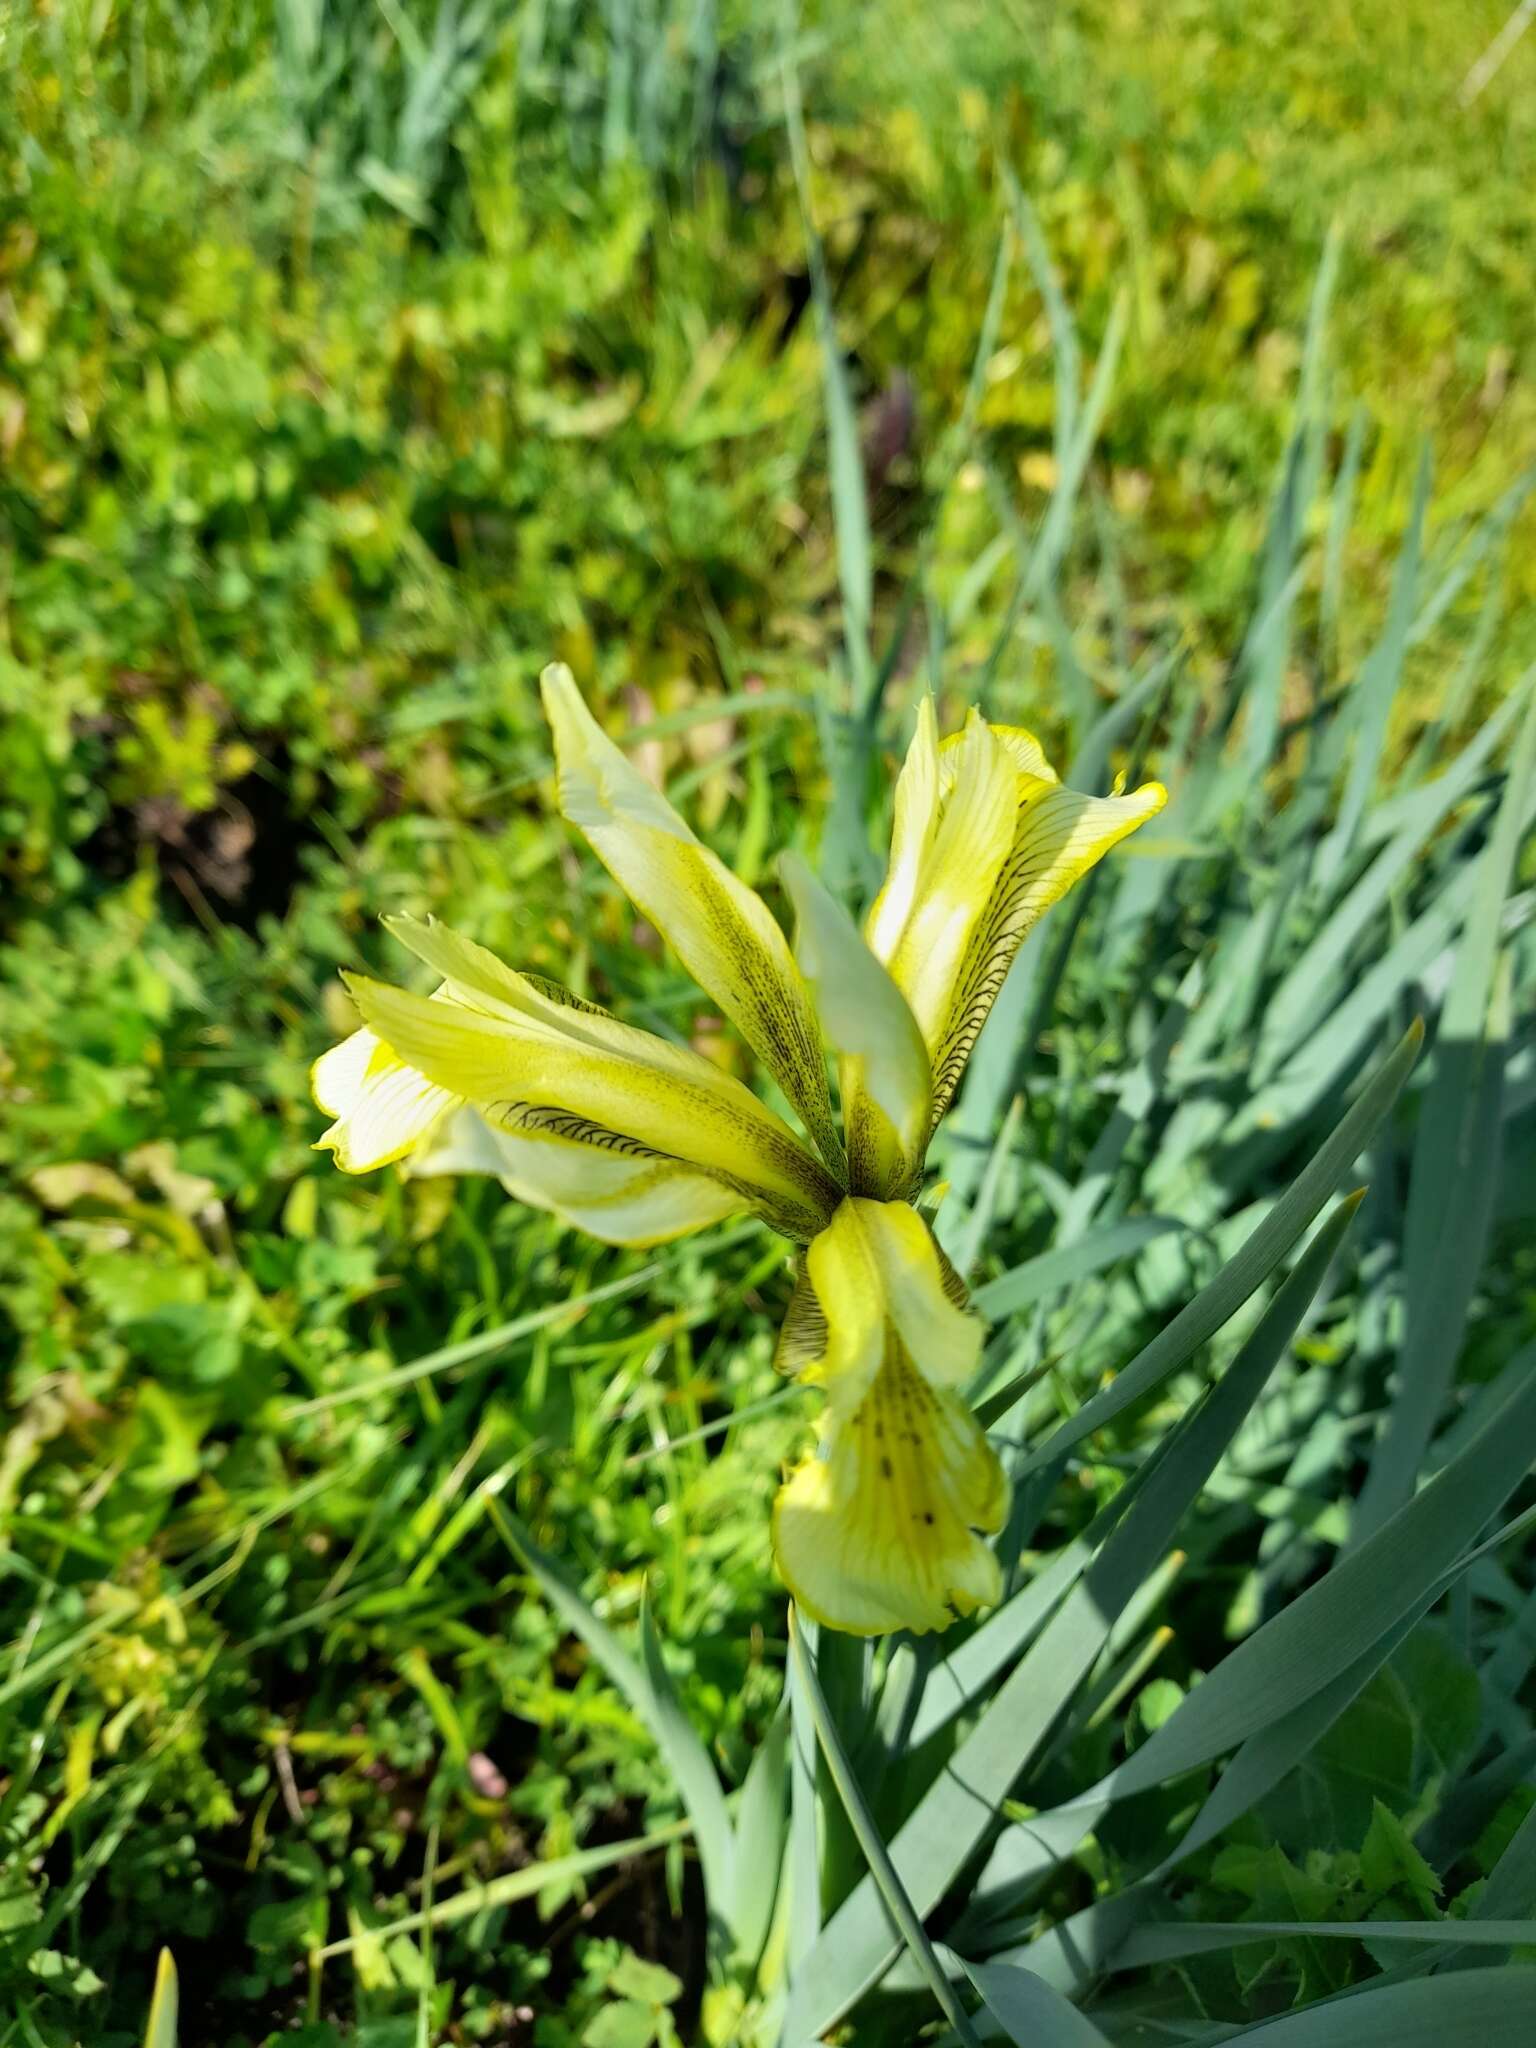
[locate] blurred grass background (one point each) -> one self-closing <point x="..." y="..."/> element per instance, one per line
<point x="355" y="360"/>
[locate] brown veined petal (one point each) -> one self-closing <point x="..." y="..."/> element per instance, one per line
<point x="722" y="931"/>
<point x="883" y="1526"/>
<point x="613" y="1189"/>
<point x="955" y="875"/>
<point x="1059" y="835"/>
<point x="506" y="1053"/>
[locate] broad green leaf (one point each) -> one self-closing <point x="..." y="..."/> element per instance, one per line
<point x="1160" y="1944"/>
<point x="1340" y="518"/>
<point x="804" y="1834"/>
<point x="1369" y="1593"/>
<point x="1291" y="1010"/>
<point x="1065" y="1265"/>
<point x="1492" y="2008"/>
<point x="1137" y="1546"/>
<point x="959" y="1678"/>
<point x="1455" y="1162"/>
<point x="1029" y="2012"/>
<point x="1370" y="702"/>
<point x="962" y="1232"/>
<point x="761" y="1827"/>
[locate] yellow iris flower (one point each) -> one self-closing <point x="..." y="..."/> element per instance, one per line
<point x="638" y="1140"/>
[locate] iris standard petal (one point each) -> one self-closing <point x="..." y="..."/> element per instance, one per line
<point x="383" y="1109"/>
<point x="612" y="1080"/>
<point x="625" y="1196"/>
<point x="956" y="873"/>
<point x="1059" y="834"/>
<point x="722" y="931"/>
<point x="884" y="1081"/>
<point x="914" y="820"/>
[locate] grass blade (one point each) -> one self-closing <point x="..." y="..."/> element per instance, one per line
<point x="509" y="1890"/>
<point x="161" y="2031"/>
<point x="1491" y="2007"/>
<point x="871" y="1842"/>
<point x="471" y="1349"/>
<point x="649" y="1691"/>
<point x="1029" y="2012"/>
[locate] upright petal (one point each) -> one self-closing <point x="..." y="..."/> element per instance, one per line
<point x="845" y="1277"/>
<point x="882" y="1526"/>
<point x="884" y="1081"/>
<point x="985" y="839"/>
<point x="914" y="820"/>
<point x="722" y="931"/>
<point x="951" y="881"/>
<point x="1058" y="836"/>
<point x="917" y="1281"/>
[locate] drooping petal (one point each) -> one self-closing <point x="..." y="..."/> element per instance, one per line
<point x="842" y="1270"/>
<point x="1059" y="835"/>
<point x="883" y="1079"/>
<point x="959" y="865"/>
<point x="383" y="1109"/>
<point x="538" y="1053"/>
<point x="629" y="1196"/>
<point x="882" y="1527"/>
<point x="985" y="839"/>
<point x="722" y="931"/>
<point x="918" y="1284"/>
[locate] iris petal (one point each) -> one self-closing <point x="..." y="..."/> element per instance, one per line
<point x="538" y="1051"/>
<point x="1058" y="836"/>
<point x="383" y="1109"/>
<point x="629" y="1196"/>
<point x="722" y="931"/>
<point x="882" y="1526"/>
<point x="884" y="1081"/>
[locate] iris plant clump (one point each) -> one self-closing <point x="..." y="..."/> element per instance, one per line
<point x="884" y="1523"/>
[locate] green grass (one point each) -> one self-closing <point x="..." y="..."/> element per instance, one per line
<point x="347" y="376"/>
